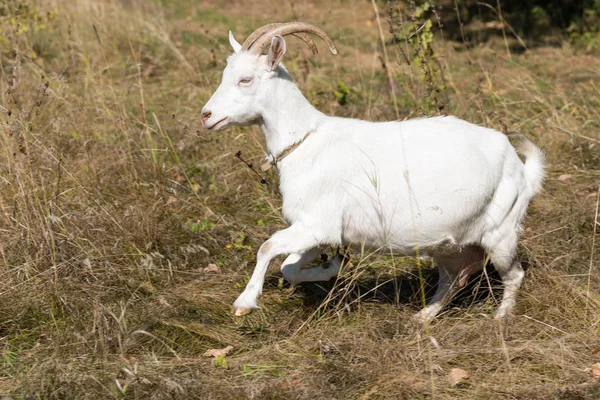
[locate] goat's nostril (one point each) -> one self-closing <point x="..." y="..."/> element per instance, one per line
<point x="206" y="115"/>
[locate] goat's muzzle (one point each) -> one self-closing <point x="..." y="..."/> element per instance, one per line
<point x="205" y="117"/>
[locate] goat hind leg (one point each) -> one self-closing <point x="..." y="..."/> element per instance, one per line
<point x="454" y="269"/>
<point x="443" y="294"/>
<point x="504" y="258"/>
<point x="293" y="268"/>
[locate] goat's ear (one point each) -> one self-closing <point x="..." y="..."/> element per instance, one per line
<point x="234" y="43"/>
<point x="276" y="52"/>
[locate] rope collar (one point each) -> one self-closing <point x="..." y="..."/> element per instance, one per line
<point x="273" y="160"/>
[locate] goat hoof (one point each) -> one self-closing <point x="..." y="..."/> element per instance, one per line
<point x="424" y="316"/>
<point x="500" y="316"/>
<point x="420" y="318"/>
<point x="241" y="311"/>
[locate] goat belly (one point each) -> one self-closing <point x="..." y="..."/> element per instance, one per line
<point x="406" y="187"/>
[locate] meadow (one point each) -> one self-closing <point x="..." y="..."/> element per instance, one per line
<point x="127" y="230"/>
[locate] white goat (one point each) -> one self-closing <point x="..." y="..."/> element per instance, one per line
<point x="445" y="187"/>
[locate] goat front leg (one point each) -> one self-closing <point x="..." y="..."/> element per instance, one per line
<point x="295" y="239"/>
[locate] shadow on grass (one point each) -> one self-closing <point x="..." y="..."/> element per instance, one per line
<point x="402" y="290"/>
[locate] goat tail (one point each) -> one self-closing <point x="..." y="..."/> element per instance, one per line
<point x="534" y="161"/>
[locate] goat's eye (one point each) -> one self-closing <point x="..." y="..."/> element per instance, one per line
<point x="245" y="81"/>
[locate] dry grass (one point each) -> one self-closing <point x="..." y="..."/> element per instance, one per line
<point x="113" y="201"/>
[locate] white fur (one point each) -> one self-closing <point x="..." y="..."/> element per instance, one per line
<point x="449" y="188"/>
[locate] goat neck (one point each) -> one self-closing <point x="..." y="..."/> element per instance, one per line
<point x="287" y="117"/>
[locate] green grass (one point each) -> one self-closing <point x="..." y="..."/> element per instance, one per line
<point x="113" y="200"/>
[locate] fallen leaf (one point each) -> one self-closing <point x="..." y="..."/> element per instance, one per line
<point x="596" y="352"/>
<point x="218" y="352"/>
<point x="212" y="268"/>
<point x="171" y="200"/>
<point x="596" y="371"/>
<point x="456" y="376"/>
<point x="564" y="177"/>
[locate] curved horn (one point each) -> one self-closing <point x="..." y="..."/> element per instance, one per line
<point x="306" y="39"/>
<point x="257" y="33"/>
<point x="261" y="38"/>
<point x="266" y="28"/>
